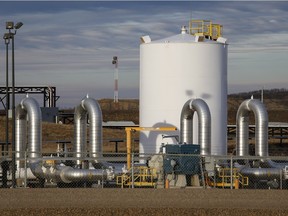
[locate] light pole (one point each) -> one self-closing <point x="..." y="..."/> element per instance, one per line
<point x="10" y="26"/>
<point x="6" y="38"/>
<point x="5" y="164"/>
<point x="115" y="62"/>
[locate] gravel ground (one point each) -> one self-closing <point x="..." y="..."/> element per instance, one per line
<point x="93" y="201"/>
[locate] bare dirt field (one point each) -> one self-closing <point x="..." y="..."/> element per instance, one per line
<point x="93" y="201"/>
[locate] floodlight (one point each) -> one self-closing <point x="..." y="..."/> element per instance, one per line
<point x="9" y="25"/>
<point x="6" y="36"/>
<point x="18" y="25"/>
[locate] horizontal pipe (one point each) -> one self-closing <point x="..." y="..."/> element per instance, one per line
<point x="261" y="173"/>
<point x="66" y="174"/>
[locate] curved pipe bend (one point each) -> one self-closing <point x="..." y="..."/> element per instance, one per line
<point x="204" y="124"/>
<point x="90" y="107"/>
<point x="28" y="107"/>
<point x="60" y="173"/>
<point x="261" y="128"/>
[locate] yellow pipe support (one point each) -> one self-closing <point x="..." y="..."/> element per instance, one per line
<point x="129" y="138"/>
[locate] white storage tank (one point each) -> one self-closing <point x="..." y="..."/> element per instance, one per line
<point x="174" y="70"/>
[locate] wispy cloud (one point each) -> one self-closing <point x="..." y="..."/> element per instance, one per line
<point x="71" y="44"/>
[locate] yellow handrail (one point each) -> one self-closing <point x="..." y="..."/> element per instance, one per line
<point x="143" y="176"/>
<point x="205" y="28"/>
<point x="225" y="175"/>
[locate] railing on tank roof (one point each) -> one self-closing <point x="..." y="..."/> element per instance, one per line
<point x="205" y="28"/>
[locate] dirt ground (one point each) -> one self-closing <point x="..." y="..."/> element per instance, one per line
<point x="94" y="201"/>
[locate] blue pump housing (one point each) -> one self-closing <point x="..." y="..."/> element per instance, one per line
<point x="181" y="159"/>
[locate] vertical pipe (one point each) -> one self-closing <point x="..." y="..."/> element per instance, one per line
<point x="21" y="135"/>
<point x="80" y="125"/>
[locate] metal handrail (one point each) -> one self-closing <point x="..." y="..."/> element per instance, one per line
<point x="141" y="177"/>
<point x="205" y="28"/>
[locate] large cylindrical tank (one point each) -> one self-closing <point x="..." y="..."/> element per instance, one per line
<point x="173" y="70"/>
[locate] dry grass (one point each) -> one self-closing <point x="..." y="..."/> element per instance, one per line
<point x="51" y="133"/>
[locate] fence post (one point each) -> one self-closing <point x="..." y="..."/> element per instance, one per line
<point x="231" y="173"/>
<point x="25" y="168"/>
<point x="132" y="171"/>
<point x="215" y="173"/>
<point x="281" y="173"/>
<point x="102" y="182"/>
<point x="201" y="161"/>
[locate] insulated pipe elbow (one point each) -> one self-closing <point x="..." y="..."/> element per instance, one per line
<point x="204" y="124"/>
<point x="29" y="107"/>
<point x="95" y="132"/>
<point x="261" y="128"/>
<point x="91" y="107"/>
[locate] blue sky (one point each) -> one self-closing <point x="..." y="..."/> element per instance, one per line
<point x="70" y="44"/>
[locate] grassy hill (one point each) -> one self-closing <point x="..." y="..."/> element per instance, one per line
<point x="275" y="100"/>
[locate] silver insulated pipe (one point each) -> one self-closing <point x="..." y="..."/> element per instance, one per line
<point x="261" y="128"/>
<point x="29" y="110"/>
<point x="204" y="124"/>
<point x="90" y="107"/>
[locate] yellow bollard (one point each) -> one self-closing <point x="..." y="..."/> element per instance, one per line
<point x="167" y="184"/>
<point x="236" y="183"/>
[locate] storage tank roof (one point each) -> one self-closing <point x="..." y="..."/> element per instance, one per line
<point x="183" y="38"/>
<point x="179" y="38"/>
